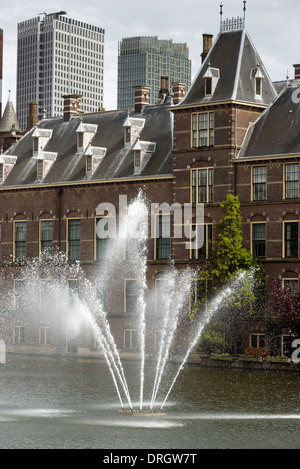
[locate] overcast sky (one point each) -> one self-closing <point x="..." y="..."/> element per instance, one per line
<point x="273" y="26"/>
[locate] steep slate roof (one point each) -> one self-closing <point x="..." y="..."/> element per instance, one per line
<point x="276" y="132"/>
<point x="234" y="54"/>
<point x="118" y="161"/>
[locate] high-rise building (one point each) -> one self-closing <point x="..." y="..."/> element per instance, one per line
<point x="144" y="60"/>
<point x="58" y="56"/>
<point x="1" y="68"/>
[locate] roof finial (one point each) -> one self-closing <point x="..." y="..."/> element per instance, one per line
<point x="244" y="9"/>
<point x="221" y="14"/>
<point x="9" y="91"/>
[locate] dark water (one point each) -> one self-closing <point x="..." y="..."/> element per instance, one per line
<point x="51" y="403"/>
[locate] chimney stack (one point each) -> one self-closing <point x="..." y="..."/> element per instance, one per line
<point x="72" y="106"/>
<point x="297" y="71"/>
<point x="32" y="118"/>
<point x="207" y="45"/>
<point x="141" y="97"/>
<point x="178" y="92"/>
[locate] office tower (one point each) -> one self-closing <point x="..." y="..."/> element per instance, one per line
<point x="58" y="56"/>
<point x="1" y="68"/>
<point x="144" y="60"/>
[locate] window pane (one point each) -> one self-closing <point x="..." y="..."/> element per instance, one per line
<point x="259" y="182"/>
<point x="163" y="242"/>
<point x="102" y="244"/>
<point x="20" y="241"/>
<point x="74" y="240"/>
<point x="131" y="296"/>
<point x="202" y="182"/>
<point x="46" y="239"/>
<point x="291" y="239"/>
<point x="203" y="130"/>
<point x="292" y="181"/>
<point x="259" y="240"/>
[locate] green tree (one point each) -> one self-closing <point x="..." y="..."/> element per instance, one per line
<point x="230" y="264"/>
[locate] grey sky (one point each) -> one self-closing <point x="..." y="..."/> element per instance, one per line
<point x="273" y="26"/>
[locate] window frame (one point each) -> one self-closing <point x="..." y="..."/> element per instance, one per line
<point x="253" y="192"/>
<point x="41" y="240"/>
<point x="195" y="188"/>
<point x="73" y="240"/>
<point x="284" y="248"/>
<point x="15" y="241"/>
<point x="197" y="118"/>
<point x="126" y="280"/>
<point x="208" y="236"/>
<point x="157" y="239"/>
<point x="252" y="239"/>
<point x="257" y="335"/>
<point x="285" y="182"/>
<point x="130" y="332"/>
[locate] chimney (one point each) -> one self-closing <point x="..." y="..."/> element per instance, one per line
<point x="178" y="92"/>
<point x="297" y="71"/>
<point x="32" y="117"/>
<point x="164" y="89"/>
<point x="141" y="97"/>
<point x="207" y="45"/>
<point x="72" y="106"/>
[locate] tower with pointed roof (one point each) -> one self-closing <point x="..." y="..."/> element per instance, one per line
<point x="10" y="130"/>
<point x="231" y="90"/>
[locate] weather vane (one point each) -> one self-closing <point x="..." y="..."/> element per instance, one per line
<point x="244" y="9"/>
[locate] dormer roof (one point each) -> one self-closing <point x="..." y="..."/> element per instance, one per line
<point x="235" y="56"/>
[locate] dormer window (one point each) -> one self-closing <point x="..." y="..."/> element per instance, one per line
<point x="211" y="78"/>
<point x="258" y="86"/>
<point x="80" y="140"/>
<point x="127" y="134"/>
<point x="40" y="168"/>
<point x="35" y="144"/>
<point x="258" y="77"/>
<point x="208" y="86"/>
<point x="89" y="163"/>
<point x="1" y="172"/>
<point x="137" y="158"/>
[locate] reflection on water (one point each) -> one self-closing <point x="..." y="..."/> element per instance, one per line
<point x="57" y="403"/>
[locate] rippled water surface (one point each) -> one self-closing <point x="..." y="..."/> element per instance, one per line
<point x="57" y="403"/>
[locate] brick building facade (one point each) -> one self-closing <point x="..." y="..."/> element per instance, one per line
<point x="231" y="133"/>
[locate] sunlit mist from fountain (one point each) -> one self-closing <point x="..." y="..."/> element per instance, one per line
<point x="82" y="310"/>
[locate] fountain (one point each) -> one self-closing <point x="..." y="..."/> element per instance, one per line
<point x="87" y="309"/>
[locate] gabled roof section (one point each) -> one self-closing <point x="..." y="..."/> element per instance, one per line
<point x="276" y="131"/>
<point x="235" y="56"/>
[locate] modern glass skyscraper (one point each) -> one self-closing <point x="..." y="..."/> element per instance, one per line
<point x="144" y="60"/>
<point x="58" y="56"/>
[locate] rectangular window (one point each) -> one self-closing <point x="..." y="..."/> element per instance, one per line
<point x="137" y="158"/>
<point x="89" y="163"/>
<point x="163" y="236"/>
<point x="46" y="234"/>
<point x="259" y="182"/>
<point x="292" y="284"/>
<point x="202" y="185"/>
<point x="20" y="241"/>
<point x="202" y="241"/>
<point x="35" y="144"/>
<point x="19" y="294"/>
<point x="80" y="140"/>
<point x="40" y="168"/>
<point x="101" y="293"/>
<point x="259" y="240"/>
<point x="130" y="339"/>
<point x="208" y="86"/>
<point x="292" y="181"/>
<point x="291" y="239"/>
<point x="131" y="296"/>
<point x="44" y="335"/>
<point x="102" y="244"/>
<point x="74" y="240"/>
<point x="258" y="86"/>
<point x="201" y="292"/>
<point x="203" y="129"/>
<point x="257" y="340"/>
<point x="19" y="335"/>
<point x="1" y="172"/>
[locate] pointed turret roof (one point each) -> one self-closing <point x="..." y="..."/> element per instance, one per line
<point x="238" y="63"/>
<point x="9" y="118"/>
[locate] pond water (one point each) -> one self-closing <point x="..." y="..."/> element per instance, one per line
<point x="59" y="403"/>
